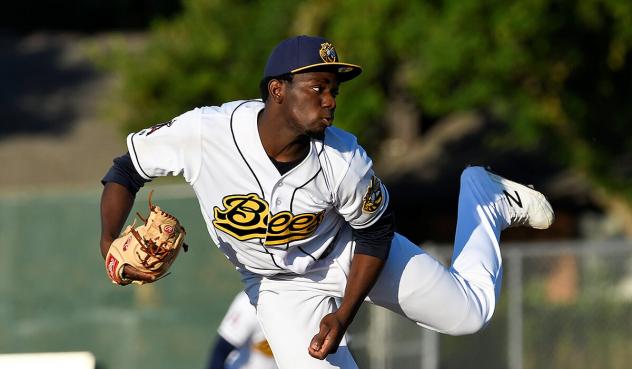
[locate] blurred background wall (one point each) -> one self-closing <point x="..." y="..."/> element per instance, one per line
<point x="539" y="90"/>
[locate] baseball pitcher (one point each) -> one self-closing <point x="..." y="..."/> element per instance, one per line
<point x="293" y="202"/>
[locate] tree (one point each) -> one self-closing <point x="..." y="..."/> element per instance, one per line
<point x="557" y="73"/>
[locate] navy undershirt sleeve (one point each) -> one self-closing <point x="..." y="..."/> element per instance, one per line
<point x="124" y="173"/>
<point x="376" y="239"/>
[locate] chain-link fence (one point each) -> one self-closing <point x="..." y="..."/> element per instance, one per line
<point x="563" y="305"/>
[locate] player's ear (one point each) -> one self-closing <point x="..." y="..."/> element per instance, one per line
<point x="276" y="89"/>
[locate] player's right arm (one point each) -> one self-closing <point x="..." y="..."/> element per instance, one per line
<point x="116" y="203"/>
<point x="170" y="148"/>
<point x="120" y="185"/>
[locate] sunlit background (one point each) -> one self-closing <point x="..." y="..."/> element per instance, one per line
<point x="540" y="90"/>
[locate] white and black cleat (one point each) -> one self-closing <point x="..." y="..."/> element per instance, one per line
<point x="527" y="206"/>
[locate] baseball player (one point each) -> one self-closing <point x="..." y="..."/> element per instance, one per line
<point x="240" y="342"/>
<point x="294" y="204"/>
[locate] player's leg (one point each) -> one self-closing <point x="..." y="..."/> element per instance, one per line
<point x="461" y="299"/>
<point x="290" y="313"/>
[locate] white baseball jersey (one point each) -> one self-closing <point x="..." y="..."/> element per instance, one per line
<point x="241" y="329"/>
<point x="282" y="227"/>
<point x="264" y="222"/>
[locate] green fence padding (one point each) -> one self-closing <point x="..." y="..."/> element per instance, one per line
<point x="56" y="296"/>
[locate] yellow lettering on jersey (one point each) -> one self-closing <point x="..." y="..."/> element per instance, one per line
<point x="244" y="216"/>
<point x="247" y="217"/>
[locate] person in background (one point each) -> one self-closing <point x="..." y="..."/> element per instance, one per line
<point x="240" y="343"/>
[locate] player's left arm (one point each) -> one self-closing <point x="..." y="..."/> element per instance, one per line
<point x="372" y="247"/>
<point x="373" y="244"/>
<point x="365" y="270"/>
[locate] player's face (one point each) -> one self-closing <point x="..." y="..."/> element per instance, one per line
<point x="311" y="102"/>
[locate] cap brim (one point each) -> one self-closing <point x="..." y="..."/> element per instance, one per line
<point x="345" y="71"/>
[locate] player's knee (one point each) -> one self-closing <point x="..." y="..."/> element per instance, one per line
<point x="471" y="325"/>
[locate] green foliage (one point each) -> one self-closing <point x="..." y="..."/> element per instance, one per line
<point x="558" y="73"/>
<point x="196" y="59"/>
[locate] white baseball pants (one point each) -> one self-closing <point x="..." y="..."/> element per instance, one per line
<point x="456" y="300"/>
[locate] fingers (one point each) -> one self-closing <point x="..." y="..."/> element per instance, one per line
<point x="129" y="272"/>
<point x="319" y="347"/>
<point x="326" y="341"/>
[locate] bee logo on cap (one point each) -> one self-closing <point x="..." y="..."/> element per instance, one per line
<point x="328" y="53"/>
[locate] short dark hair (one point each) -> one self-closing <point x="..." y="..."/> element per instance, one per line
<point x="263" y="85"/>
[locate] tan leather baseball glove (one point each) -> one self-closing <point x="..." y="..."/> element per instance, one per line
<point x="151" y="247"/>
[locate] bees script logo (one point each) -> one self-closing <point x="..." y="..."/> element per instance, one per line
<point x="247" y="217"/>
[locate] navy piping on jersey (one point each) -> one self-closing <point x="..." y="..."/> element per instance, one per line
<point x="136" y="156"/>
<point x="305" y="184"/>
<point x="292" y="204"/>
<point x="232" y="131"/>
<point x="301" y="186"/>
<point x="265" y="249"/>
<point x="329" y="187"/>
<point x="306" y="253"/>
<point x="263" y="195"/>
<point x="331" y="246"/>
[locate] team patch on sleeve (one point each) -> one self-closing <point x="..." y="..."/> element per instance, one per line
<point x="373" y="197"/>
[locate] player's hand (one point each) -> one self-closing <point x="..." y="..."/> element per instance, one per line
<point x="131" y="273"/>
<point x="326" y="341"/>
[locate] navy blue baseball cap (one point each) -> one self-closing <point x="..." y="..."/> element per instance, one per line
<point x="304" y="53"/>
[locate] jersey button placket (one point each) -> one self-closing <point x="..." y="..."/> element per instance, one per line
<point x="278" y="195"/>
<point x="275" y="206"/>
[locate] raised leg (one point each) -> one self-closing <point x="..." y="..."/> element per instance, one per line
<point x="460" y="299"/>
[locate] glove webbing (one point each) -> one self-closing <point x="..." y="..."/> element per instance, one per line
<point x="150" y="247"/>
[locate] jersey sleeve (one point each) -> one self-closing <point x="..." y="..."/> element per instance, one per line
<point x="361" y="195"/>
<point x="240" y="321"/>
<point x="170" y="148"/>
